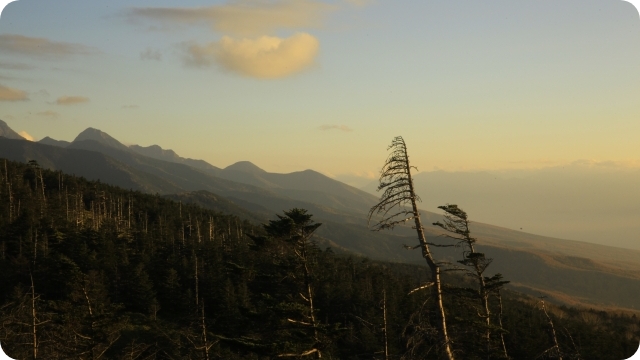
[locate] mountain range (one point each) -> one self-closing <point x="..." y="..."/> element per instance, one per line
<point x="565" y="270"/>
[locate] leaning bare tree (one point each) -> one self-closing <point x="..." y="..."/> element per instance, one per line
<point x="397" y="206"/>
<point x="456" y="223"/>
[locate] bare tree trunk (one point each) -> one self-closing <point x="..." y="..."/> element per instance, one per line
<point x="435" y="270"/>
<point x="204" y="335"/>
<point x="395" y="178"/>
<point x="196" y="278"/>
<point x="552" y="334"/>
<point x="384" y="329"/>
<point x="34" y="319"/>
<point x="307" y="280"/>
<point x="504" y="347"/>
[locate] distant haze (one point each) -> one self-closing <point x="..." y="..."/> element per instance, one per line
<point x="585" y="200"/>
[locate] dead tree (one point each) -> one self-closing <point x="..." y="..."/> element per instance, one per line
<point x="395" y="179"/>
<point x="554" y="351"/>
<point x="456" y="223"/>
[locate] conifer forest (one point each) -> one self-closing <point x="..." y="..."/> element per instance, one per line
<point x="92" y="271"/>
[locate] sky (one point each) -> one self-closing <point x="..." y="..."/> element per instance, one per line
<point x="514" y="89"/>
<point x="297" y="84"/>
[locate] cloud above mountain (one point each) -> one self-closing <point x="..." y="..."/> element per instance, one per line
<point x="48" y="113"/>
<point x="11" y="94"/>
<point x="26" y="135"/>
<point x="265" y="57"/>
<point x="71" y="100"/>
<point x="40" y="47"/>
<point x="249" y="45"/>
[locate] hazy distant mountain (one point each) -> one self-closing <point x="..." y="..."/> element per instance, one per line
<point x="307" y="185"/>
<point x="53" y="142"/>
<point x="7" y="132"/>
<point x="100" y="137"/>
<point x="246" y="167"/>
<point x="582" y="201"/>
<point x="156" y="152"/>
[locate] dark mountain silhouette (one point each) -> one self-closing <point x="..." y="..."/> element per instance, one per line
<point x="245" y="167"/>
<point x="307" y="185"/>
<point x="88" y="164"/>
<point x="156" y="152"/>
<point x="253" y="193"/>
<point x="100" y="137"/>
<point x="7" y="132"/>
<point x="53" y="142"/>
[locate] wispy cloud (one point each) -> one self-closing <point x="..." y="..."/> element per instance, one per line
<point x="335" y="127"/>
<point x="151" y="54"/>
<point x="40" y="47"/>
<point x="244" y="17"/>
<point x="15" y="66"/>
<point x="11" y="94"/>
<point x="357" y="179"/>
<point x="359" y="3"/>
<point x="606" y="164"/>
<point x="71" y="100"/>
<point x="266" y="57"/>
<point x="48" y="113"/>
<point x="26" y="135"/>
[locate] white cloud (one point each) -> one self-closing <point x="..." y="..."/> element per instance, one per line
<point x="265" y="57"/>
<point x="26" y="135"/>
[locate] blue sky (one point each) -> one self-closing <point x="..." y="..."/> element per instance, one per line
<point x="291" y="85"/>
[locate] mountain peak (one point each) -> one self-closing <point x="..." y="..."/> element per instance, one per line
<point x="49" y="141"/>
<point x="6" y="131"/>
<point x="155" y="151"/>
<point x="246" y="167"/>
<point x="100" y="137"/>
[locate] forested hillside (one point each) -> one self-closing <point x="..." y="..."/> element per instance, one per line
<point x="91" y="271"/>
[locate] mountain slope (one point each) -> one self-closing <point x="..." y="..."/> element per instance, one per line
<point x="95" y="160"/>
<point x="101" y="138"/>
<point x="156" y="152"/>
<point x="88" y="164"/>
<point x="53" y="142"/>
<point x="7" y="132"/>
<point x="307" y="185"/>
<point x="342" y="209"/>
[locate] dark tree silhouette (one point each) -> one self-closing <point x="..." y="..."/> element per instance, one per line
<point x="397" y="206"/>
<point x="456" y="223"/>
